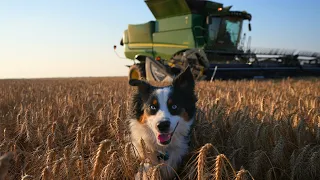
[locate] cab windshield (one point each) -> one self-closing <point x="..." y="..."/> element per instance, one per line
<point x="233" y="27"/>
<point x="226" y="29"/>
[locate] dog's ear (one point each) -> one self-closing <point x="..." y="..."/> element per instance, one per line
<point x="143" y="86"/>
<point x="184" y="80"/>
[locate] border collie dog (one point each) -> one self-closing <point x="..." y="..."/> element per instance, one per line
<point x="162" y="117"/>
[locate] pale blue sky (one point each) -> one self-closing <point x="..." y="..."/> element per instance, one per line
<point x="64" y="38"/>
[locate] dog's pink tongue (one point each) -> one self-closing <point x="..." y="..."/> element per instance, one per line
<point x="164" y="137"/>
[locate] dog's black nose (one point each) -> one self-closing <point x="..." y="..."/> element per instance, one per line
<point x="163" y="126"/>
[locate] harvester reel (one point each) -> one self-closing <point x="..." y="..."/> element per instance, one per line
<point x="195" y="58"/>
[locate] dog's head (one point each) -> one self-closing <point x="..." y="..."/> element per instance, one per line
<point x="166" y="110"/>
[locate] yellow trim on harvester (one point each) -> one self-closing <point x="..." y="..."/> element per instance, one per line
<point x="157" y="45"/>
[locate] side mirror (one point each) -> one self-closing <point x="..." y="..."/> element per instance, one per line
<point x="249" y="26"/>
<point x="121" y="42"/>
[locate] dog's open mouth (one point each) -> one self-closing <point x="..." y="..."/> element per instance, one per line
<point x="165" y="138"/>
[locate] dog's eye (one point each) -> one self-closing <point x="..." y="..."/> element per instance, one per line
<point x="174" y="106"/>
<point x="152" y="107"/>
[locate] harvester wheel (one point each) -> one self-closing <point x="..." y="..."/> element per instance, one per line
<point x="137" y="71"/>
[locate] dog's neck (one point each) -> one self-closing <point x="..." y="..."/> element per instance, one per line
<point x="163" y="156"/>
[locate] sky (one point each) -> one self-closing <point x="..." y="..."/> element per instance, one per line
<point x="75" y="38"/>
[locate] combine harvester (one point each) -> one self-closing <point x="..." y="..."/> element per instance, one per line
<point x="207" y="37"/>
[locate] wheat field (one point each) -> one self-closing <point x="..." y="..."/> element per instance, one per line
<point x="76" y="128"/>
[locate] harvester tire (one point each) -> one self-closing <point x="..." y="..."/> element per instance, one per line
<point x="137" y="71"/>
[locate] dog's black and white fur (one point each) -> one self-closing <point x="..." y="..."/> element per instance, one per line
<point x="163" y="117"/>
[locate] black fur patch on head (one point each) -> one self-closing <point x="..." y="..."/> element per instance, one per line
<point x="136" y="108"/>
<point x="152" y="105"/>
<point x="183" y="93"/>
<point x="142" y="99"/>
<point x="144" y="88"/>
<point x="174" y="104"/>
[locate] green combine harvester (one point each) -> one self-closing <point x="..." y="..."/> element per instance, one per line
<point x="206" y="36"/>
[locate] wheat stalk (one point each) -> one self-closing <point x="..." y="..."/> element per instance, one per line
<point x="144" y="149"/>
<point x="56" y="167"/>
<point x="79" y="140"/>
<point x="219" y="165"/>
<point x="201" y="160"/>
<point x="50" y="158"/>
<point x="5" y="164"/>
<point x="80" y="166"/>
<point x="49" y="142"/>
<point x="67" y="161"/>
<point x="26" y="177"/>
<point x="110" y="169"/>
<point x="156" y="172"/>
<point x="99" y="157"/>
<point x="46" y="174"/>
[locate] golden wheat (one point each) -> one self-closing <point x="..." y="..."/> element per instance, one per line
<point x="77" y="128"/>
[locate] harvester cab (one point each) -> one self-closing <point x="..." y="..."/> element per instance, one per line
<point x="206" y="36"/>
<point x="225" y="28"/>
